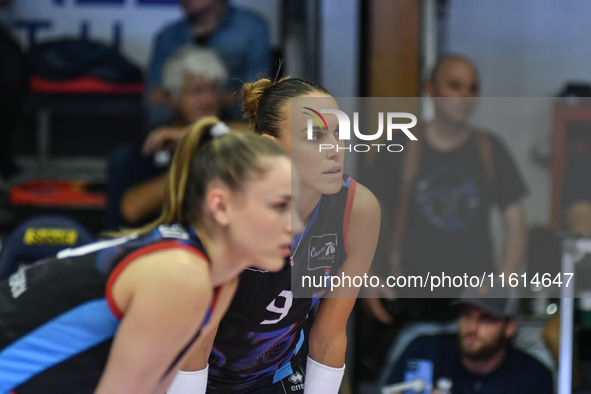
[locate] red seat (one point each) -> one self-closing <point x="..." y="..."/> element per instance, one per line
<point x="83" y="85"/>
<point x="57" y="193"/>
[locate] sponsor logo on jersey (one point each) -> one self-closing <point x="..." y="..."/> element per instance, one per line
<point x="321" y="252"/>
<point x="173" y="231"/>
<point x="297" y="382"/>
<point x="296" y="378"/>
<point x="50" y="236"/>
<point x="18" y="283"/>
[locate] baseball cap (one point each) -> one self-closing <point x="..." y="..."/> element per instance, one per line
<point x="495" y="300"/>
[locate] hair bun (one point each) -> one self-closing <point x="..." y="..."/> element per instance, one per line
<point x="251" y="96"/>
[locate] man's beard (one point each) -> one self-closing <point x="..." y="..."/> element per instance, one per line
<point x="485" y="351"/>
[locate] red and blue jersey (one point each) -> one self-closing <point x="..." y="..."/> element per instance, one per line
<point x="58" y="316"/>
<point x="259" y="338"/>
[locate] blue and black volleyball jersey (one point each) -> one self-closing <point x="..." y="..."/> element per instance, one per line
<point x="261" y="333"/>
<point x="58" y="317"/>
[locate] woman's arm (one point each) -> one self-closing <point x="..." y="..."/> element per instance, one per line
<point x="192" y="376"/>
<point x="164" y="297"/>
<point x="199" y="353"/>
<point x="328" y="337"/>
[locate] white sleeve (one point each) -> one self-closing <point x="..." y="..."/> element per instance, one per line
<point x="322" y="379"/>
<point x="189" y="382"/>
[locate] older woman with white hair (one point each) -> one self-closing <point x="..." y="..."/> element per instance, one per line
<point x="193" y="79"/>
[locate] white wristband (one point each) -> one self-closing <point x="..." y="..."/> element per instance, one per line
<point x="189" y="382"/>
<point x="322" y="379"/>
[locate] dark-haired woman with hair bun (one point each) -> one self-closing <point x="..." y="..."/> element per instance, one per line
<point x="258" y="341"/>
<point x="119" y="315"/>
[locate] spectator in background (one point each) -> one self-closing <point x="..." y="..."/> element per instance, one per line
<point x="437" y="205"/>
<point x="239" y="36"/>
<point x="13" y="86"/>
<point x="459" y="174"/>
<point x="479" y="358"/>
<point x="192" y="80"/>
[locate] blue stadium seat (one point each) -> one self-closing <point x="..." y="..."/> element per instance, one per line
<point x="40" y="237"/>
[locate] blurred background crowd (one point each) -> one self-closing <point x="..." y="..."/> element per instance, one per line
<point x="95" y="95"/>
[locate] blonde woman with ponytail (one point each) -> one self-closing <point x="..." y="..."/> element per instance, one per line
<point x="118" y="315"/>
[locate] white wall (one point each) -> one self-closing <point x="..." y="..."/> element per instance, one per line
<point x="339" y="51"/>
<point x="339" y="37"/>
<point x="526" y="48"/>
<point x="139" y="22"/>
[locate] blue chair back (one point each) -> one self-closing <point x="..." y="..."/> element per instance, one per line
<point x="40" y="237"/>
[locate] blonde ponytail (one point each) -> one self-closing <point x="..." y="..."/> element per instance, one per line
<point x="205" y="154"/>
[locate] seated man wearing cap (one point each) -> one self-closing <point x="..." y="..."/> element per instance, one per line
<point x="479" y="358"/>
